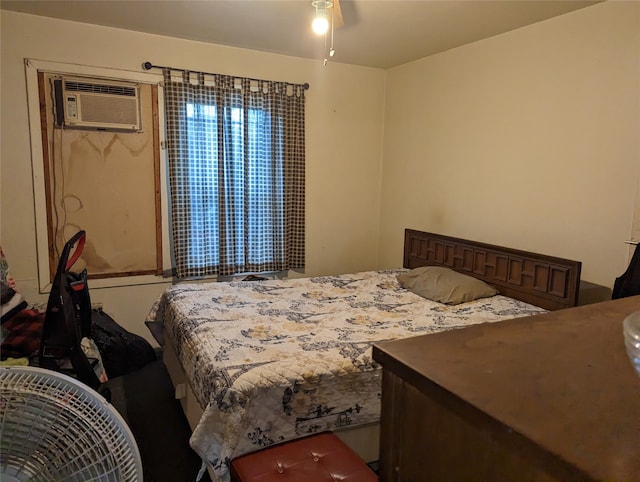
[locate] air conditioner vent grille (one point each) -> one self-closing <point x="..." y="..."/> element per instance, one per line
<point x="97" y="104"/>
<point x="121" y="90"/>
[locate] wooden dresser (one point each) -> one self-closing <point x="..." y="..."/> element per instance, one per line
<point x="547" y="397"/>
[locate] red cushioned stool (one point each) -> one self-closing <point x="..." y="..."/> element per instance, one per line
<point x="317" y="458"/>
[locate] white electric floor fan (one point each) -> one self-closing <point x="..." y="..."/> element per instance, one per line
<point x="55" y="428"/>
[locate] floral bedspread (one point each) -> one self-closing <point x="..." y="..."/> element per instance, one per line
<point x="274" y="360"/>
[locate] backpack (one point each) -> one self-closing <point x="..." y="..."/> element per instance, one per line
<point x="628" y="284"/>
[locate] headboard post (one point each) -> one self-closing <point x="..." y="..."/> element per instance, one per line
<point x="546" y="281"/>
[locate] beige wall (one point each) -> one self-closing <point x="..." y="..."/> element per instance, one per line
<point x="344" y="132"/>
<point x="530" y="139"/>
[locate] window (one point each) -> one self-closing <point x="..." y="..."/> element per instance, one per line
<point x="236" y="171"/>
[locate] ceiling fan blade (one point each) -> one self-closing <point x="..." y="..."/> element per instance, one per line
<point x="337" y="14"/>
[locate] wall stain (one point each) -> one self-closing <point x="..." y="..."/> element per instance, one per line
<point x="71" y="203"/>
<point x="95" y="262"/>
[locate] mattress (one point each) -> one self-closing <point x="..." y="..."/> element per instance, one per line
<point x="274" y="360"/>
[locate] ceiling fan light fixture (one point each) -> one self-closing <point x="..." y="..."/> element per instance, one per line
<point x="320" y="23"/>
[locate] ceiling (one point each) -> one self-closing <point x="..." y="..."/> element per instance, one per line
<point x="375" y="33"/>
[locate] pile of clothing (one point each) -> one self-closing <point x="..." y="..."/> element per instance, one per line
<point x="21" y="325"/>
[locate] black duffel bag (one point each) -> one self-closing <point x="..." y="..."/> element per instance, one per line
<point x="122" y="351"/>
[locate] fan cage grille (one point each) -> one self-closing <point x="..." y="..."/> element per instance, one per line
<point x="52" y="427"/>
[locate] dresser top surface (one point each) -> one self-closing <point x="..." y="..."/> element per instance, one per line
<point x="562" y="380"/>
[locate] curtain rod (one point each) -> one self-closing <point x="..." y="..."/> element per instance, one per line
<point x="149" y="66"/>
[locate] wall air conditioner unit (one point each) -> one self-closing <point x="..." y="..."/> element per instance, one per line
<point x="96" y="104"/>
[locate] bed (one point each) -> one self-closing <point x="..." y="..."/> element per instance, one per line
<point x="259" y="362"/>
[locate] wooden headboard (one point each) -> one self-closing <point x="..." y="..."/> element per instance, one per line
<point x="546" y="281"/>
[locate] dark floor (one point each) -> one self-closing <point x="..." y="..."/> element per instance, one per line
<point x="145" y="399"/>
